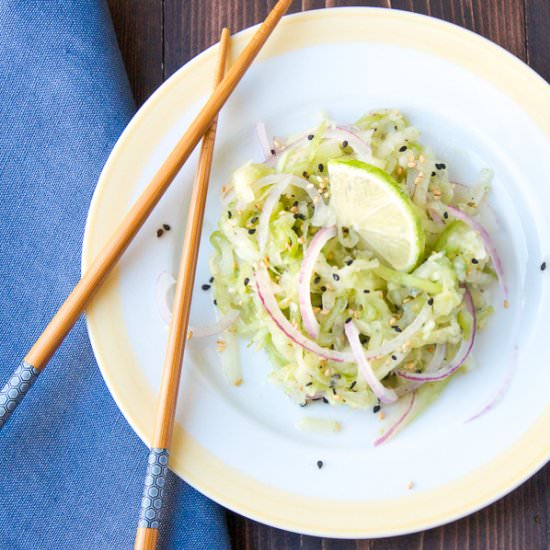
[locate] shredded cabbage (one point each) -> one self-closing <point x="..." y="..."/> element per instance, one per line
<point x="349" y="282"/>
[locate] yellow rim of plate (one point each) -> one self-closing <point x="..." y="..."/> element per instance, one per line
<point x="336" y="518"/>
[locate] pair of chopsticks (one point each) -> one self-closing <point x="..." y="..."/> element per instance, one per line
<point x="149" y="516"/>
<point x="45" y="346"/>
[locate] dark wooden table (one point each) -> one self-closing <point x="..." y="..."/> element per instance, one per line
<point x="158" y="36"/>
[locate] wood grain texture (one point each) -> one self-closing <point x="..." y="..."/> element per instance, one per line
<point x="138" y="26"/>
<point x="537" y="25"/>
<point x="519" y="521"/>
<point x="200" y="22"/>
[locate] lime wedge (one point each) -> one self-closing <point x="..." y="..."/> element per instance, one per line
<point x="370" y="201"/>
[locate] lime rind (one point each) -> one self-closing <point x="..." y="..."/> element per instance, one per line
<point x="400" y="198"/>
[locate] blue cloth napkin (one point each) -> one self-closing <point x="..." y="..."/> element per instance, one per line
<point x="71" y="469"/>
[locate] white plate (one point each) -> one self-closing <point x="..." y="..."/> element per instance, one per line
<point x="477" y="107"/>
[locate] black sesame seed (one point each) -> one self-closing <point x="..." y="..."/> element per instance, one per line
<point x="434" y="174"/>
<point x="310" y="137"/>
<point x="376" y="409"/>
<point x="305" y="174"/>
<point x="229" y="214"/>
<point x="543" y="266"/>
<point x="321" y="167"/>
<point x="251" y="231"/>
<point x="395" y="127"/>
<point x="309" y="384"/>
<point x="272" y="151"/>
<point x="325" y="400"/>
<point x="205" y="287"/>
<point x="160" y="233"/>
<point x="246" y="281"/>
<point x="295" y="204"/>
<point x="319" y="464"/>
<point x="430" y="301"/>
<point x="397" y="329"/>
<point x="254" y="219"/>
<point x="215" y="302"/>
<point x="446" y="215"/>
<point x="352" y="385"/>
<point x="335" y="276"/>
<point x="316" y="280"/>
<point x="323" y="288"/>
<point x="333" y="391"/>
<point x="440" y="165"/>
<point x="348" y="262"/>
<point x="166" y="227"/>
<point x="475" y="261"/>
<point x="402" y="149"/>
<point x="366" y="291"/>
<point x="394" y="357"/>
<point x="211" y="280"/>
<point x="348" y="320"/>
<point x="345" y="143"/>
<point x="364" y="339"/>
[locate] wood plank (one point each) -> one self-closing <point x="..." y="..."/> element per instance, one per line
<point x="538" y="40"/>
<point x="138" y="26"/>
<point x="501" y="22"/>
<point x="194" y="25"/>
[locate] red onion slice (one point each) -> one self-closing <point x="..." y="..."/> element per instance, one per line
<point x="221" y="325"/>
<point x="489" y="246"/>
<point x="265" y="142"/>
<point x="458" y="360"/>
<point x="398" y="423"/>
<point x="301" y="139"/>
<point x="399" y="341"/>
<point x="436" y="218"/>
<point x="433" y="366"/>
<point x="304" y="279"/>
<point x="267" y="210"/>
<point x="501" y="390"/>
<point x="341" y="133"/>
<point x="164" y="286"/>
<point x="358" y="144"/>
<point x="385" y="395"/>
<point x="280" y="182"/>
<point x="269" y="303"/>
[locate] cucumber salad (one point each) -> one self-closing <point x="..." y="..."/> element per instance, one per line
<point x="350" y="257"/>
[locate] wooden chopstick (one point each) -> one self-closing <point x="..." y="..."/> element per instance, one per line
<point x="147" y="531"/>
<point x="67" y="315"/>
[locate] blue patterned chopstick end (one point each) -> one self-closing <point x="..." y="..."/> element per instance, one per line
<point x="151" y="501"/>
<point x="15" y="389"/>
